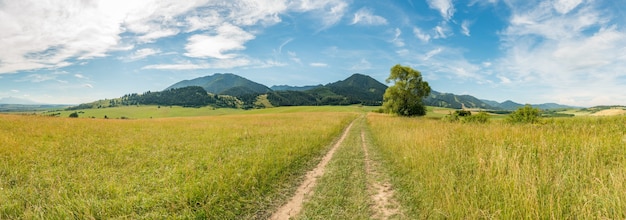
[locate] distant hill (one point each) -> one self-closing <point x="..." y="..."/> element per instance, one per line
<point x="359" y="88"/>
<point x="511" y="105"/>
<point x="224" y="84"/>
<point x="553" y="106"/>
<point x="356" y="89"/>
<point x="293" y="88"/>
<point x="449" y="100"/>
<point x="190" y="96"/>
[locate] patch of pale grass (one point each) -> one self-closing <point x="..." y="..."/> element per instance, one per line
<point x="563" y="169"/>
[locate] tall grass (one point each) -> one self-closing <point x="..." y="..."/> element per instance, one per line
<point x="563" y="169"/>
<point x="205" y="167"/>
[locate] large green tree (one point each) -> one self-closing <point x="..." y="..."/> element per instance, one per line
<point x="405" y="97"/>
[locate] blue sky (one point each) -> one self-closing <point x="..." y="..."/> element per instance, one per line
<point x="565" y="51"/>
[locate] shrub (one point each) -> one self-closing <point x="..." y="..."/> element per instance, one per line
<point x="463" y="113"/>
<point x="481" y="117"/>
<point x="74" y="115"/>
<point x="466" y="117"/>
<point x="452" y="117"/>
<point x="526" y="114"/>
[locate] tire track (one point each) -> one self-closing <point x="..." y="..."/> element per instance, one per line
<point x="293" y="207"/>
<point x="384" y="206"/>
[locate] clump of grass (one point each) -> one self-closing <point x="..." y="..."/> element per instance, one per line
<point x="562" y="169"/>
<point x="223" y="167"/>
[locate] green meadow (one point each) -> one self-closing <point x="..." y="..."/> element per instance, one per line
<point x="207" y="163"/>
<point x="234" y="166"/>
<point x="153" y="111"/>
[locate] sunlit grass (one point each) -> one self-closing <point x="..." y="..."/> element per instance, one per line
<point x="153" y="111"/>
<point x="563" y="169"/>
<point x="224" y="167"/>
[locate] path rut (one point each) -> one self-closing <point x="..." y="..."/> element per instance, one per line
<point x="384" y="206"/>
<point x="293" y="207"/>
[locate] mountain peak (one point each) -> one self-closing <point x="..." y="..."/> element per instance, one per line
<point x="360" y="80"/>
<point x="223" y="83"/>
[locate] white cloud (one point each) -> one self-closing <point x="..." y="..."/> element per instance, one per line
<point x="39" y="34"/>
<point x="568" y="48"/>
<point x="36" y="78"/>
<point x="318" y="64"/>
<point x="203" y="22"/>
<point x="80" y="76"/>
<point x="227" y="38"/>
<point x="445" y="8"/>
<point x="15" y="91"/>
<point x="482" y="2"/>
<point x="465" y="27"/>
<point x="280" y="48"/>
<point x="217" y="64"/>
<point x="329" y="11"/>
<point x="565" y="6"/>
<point x="402" y="52"/>
<point x="52" y="34"/>
<point x="447" y="62"/>
<point x="294" y="57"/>
<point x="432" y="53"/>
<point x="504" y="79"/>
<point x="543" y="22"/>
<point x="366" y="17"/>
<point x="143" y="53"/>
<point x="152" y="36"/>
<point x="396" y="39"/>
<point x="251" y="12"/>
<point x="268" y="64"/>
<point x="442" y="31"/>
<point x="362" y="65"/>
<point x="87" y="85"/>
<point x="421" y="35"/>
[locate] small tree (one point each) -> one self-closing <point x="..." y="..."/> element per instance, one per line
<point x="405" y="97"/>
<point x="74" y="115"/>
<point x="526" y="114"/>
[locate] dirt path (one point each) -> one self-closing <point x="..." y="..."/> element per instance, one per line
<point x="293" y="207"/>
<point x="384" y="206"/>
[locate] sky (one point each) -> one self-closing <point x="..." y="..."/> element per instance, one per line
<point x="530" y="51"/>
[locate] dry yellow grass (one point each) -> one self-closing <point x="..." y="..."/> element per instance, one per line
<point x="610" y="112"/>
<point x="202" y="167"/>
<point x="563" y="169"/>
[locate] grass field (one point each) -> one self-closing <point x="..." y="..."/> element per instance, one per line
<point x="226" y="167"/>
<point x="236" y="164"/>
<point x="563" y="169"/>
<point x="153" y="111"/>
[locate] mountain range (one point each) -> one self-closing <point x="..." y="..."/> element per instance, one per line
<point x="357" y="88"/>
<point x="233" y="91"/>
